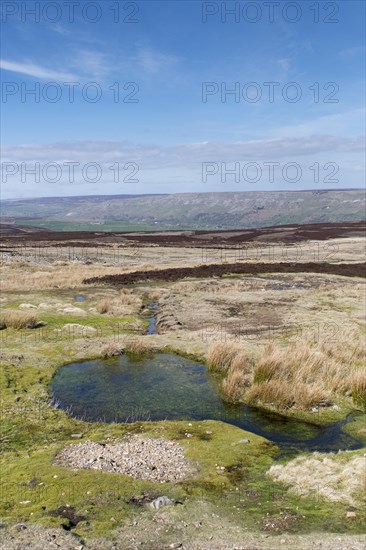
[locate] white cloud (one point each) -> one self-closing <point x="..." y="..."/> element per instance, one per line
<point x="177" y="168"/>
<point x="349" y="53"/>
<point x="339" y="124"/>
<point x="92" y="63"/>
<point x="153" y="62"/>
<point x="31" y="69"/>
<point x="156" y="157"/>
<point x="85" y="64"/>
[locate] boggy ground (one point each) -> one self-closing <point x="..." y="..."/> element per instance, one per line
<point x="232" y="502"/>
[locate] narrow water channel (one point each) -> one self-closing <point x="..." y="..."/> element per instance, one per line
<point x="149" y="314"/>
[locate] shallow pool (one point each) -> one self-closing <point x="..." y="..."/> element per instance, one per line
<point x="166" y="386"/>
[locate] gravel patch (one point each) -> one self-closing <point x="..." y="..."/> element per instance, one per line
<point x="37" y="537"/>
<point x="157" y="460"/>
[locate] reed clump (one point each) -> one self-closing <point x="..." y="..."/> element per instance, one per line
<point x="18" y="319"/>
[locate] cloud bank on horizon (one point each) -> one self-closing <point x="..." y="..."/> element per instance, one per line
<point x="164" y="97"/>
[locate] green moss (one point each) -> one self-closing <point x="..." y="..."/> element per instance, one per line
<point x="231" y="474"/>
<point x="357" y="428"/>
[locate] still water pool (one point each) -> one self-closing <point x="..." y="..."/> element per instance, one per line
<point x="166" y="386"/>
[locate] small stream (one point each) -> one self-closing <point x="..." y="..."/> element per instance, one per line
<point x="150" y="315"/>
<point x="166" y="386"/>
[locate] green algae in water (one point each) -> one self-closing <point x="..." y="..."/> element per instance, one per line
<point x="166" y="386"/>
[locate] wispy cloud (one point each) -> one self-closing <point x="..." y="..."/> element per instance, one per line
<point x="172" y="169"/>
<point x="336" y="124"/>
<point x="36" y="71"/>
<point x="352" y="52"/>
<point x="153" y="156"/>
<point x="91" y="63"/>
<point x="153" y="62"/>
<point x="84" y="64"/>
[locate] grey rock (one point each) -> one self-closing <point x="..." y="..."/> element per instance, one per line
<point x="20" y="526"/>
<point x="161" y="501"/>
<point x="37" y="324"/>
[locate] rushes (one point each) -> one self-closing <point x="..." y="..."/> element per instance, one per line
<point x="220" y="356"/>
<point x="128" y="298"/>
<point x="271" y="392"/>
<point x="233" y="385"/>
<point x="238" y="366"/>
<point x="126" y="303"/>
<point x="284" y="395"/>
<point x="18" y="319"/>
<point x="111" y="350"/>
<point x="303" y="375"/>
<point x="104" y="306"/>
<point x="138" y="346"/>
<point x="359" y="389"/>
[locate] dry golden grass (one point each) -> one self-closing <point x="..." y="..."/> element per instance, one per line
<point x="220" y="356"/>
<point x="126" y="304"/>
<point x="104" y="306"/>
<point x="284" y="395"/>
<point x="239" y="376"/>
<point x="337" y="477"/>
<point x="153" y="295"/>
<point x="67" y="275"/>
<point x="269" y="365"/>
<point x="359" y="389"/>
<point x="17" y="319"/>
<point x="111" y="349"/>
<point x="271" y="392"/>
<point x="128" y="298"/>
<point x="302" y="375"/>
<point x="234" y="385"/>
<point x="310" y="395"/>
<point x="138" y="346"/>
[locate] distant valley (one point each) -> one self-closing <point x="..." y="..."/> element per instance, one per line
<point x="186" y="210"/>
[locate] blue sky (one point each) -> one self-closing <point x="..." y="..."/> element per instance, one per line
<point x="163" y="52"/>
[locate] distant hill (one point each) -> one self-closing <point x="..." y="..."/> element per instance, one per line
<point x="187" y="210"/>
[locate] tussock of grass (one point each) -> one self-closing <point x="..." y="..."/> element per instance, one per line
<point x="310" y="395"/>
<point x="359" y="389"/>
<point x="104" y="306"/>
<point x="284" y="395"/>
<point x="336" y="477"/>
<point x="124" y="304"/>
<point x="111" y="349"/>
<point x="306" y="374"/>
<point x="268" y="366"/>
<point x="128" y="298"/>
<point x="138" y="346"/>
<point x="272" y="392"/>
<point x="220" y="356"/>
<point x="234" y="384"/>
<point x="18" y="319"/>
<point x="239" y="376"/>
